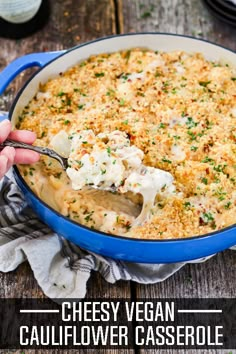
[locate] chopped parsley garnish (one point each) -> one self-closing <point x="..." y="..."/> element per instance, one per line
<point x="128" y="227"/>
<point x="204" y="83"/>
<point x="66" y="122"/>
<point x="166" y="160"/>
<point x="220" y="194"/>
<point x="60" y="94"/>
<point x="204" y="180"/>
<point x="208" y="217"/>
<point x="121" y="102"/>
<point x="192" y="135"/>
<point x="208" y="159"/>
<point x="99" y="74"/>
<point x="110" y="92"/>
<point x="80" y="163"/>
<point x="190" y="123"/>
<point x="162" y="125"/>
<point x="157" y="74"/>
<point x="227" y="205"/>
<point x="58" y="175"/>
<point x="166" y="84"/>
<point x="89" y="216"/>
<point x="219" y="168"/>
<point x="125" y="76"/>
<point x="68" y="102"/>
<point x="209" y="124"/>
<point x="81" y="106"/>
<point x="193" y="148"/>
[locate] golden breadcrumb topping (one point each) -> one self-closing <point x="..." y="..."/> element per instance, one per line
<point x="178" y="108"/>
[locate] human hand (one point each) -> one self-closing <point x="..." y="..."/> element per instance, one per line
<point x="9" y="155"/>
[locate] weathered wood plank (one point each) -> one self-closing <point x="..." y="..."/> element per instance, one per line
<point x="216" y="277"/>
<point x="189" y="17"/>
<point x="75" y="351"/>
<point x="71" y="351"/>
<point x="71" y="22"/>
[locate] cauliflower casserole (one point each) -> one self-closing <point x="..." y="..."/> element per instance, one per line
<point x="176" y="114"/>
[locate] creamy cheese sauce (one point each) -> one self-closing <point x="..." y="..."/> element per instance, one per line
<point x="108" y="161"/>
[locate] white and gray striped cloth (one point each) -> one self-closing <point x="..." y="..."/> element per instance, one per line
<point x="61" y="268"/>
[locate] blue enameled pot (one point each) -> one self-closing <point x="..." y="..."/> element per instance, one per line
<point x="133" y="250"/>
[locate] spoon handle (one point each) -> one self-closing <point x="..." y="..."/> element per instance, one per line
<point x="40" y="150"/>
<point x="18" y="144"/>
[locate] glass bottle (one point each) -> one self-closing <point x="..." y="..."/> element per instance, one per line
<point x="20" y="18"/>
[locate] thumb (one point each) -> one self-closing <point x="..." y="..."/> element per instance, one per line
<point x="5" y="129"/>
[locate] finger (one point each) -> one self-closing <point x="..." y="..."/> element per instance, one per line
<point x="23" y="135"/>
<point x="5" y="128"/>
<point x="9" y="153"/>
<point x="3" y="165"/>
<point x="24" y="156"/>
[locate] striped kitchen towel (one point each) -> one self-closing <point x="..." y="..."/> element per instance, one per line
<point x="61" y="268"/>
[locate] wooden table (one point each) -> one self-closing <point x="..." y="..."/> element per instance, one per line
<point x="74" y="22"/>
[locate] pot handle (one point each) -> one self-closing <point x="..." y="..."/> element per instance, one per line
<point x="3" y="116"/>
<point x="27" y="61"/>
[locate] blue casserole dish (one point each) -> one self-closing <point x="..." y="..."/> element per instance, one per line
<point x="122" y="248"/>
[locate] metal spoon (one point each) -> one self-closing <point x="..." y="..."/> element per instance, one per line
<point x="51" y="153"/>
<point x="48" y="152"/>
<point x="64" y="163"/>
<point x="41" y="150"/>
